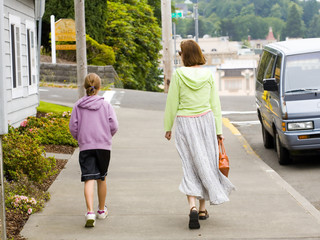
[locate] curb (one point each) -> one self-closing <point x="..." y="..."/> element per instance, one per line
<point x="272" y="174"/>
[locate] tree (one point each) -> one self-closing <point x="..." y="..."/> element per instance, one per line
<point x="275" y="11"/>
<point x="247" y="10"/>
<point x="314" y="29"/>
<point x="254" y="26"/>
<point x="294" y="27"/>
<point x="134" y="34"/>
<point x="228" y="28"/>
<point x="156" y="6"/>
<point x="262" y="7"/>
<point x="310" y="9"/>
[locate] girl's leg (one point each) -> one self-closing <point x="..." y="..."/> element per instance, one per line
<point x="102" y="193"/>
<point x="88" y="194"/>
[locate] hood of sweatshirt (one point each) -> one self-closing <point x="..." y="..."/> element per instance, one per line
<point x="194" y="77"/>
<point x="91" y="102"/>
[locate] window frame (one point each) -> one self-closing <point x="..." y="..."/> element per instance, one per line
<point x="263" y="65"/>
<point x="16" y="57"/>
<point x="31" y="57"/>
<point x="269" y="72"/>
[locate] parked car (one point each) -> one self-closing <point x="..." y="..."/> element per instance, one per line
<point x="288" y="97"/>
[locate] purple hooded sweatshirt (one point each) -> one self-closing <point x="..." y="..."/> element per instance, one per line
<point x="93" y="122"/>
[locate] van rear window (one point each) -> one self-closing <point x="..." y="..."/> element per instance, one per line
<point x="302" y="72"/>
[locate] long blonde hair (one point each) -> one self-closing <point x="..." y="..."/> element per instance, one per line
<point x="92" y="84"/>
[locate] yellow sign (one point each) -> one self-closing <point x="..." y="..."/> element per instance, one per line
<point x="65" y="30"/>
<point x="66" y="47"/>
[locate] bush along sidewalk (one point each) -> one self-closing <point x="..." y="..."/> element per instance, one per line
<point x="27" y="170"/>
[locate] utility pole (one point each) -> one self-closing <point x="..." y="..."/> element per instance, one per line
<point x="166" y="42"/>
<point x="174" y="45"/>
<point x="81" y="45"/>
<point x="196" y="20"/>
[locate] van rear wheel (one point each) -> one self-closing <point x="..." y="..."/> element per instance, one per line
<point x="268" y="141"/>
<point x="282" y="153"/>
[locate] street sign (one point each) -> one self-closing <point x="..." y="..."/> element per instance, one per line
<point x="177" y="14"/>
<point x="65" y="30"/>
<point x="66" y="47"/>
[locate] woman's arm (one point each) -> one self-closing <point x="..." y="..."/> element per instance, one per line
<point x="172" y="103"/>
<point x="216" y="108"/>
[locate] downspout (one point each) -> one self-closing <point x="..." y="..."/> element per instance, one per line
<point x="3" y="126"/>
<point x="3" y="101"/>
<point x="39" y="11"/>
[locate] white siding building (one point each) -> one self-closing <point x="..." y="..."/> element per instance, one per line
<point x="19" y="68"/>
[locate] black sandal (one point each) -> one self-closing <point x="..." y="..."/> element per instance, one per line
<point x="206" y="215"/>
<point x="194" y="219"/>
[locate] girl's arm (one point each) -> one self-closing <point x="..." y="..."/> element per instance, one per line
<point x="73" y="124"/>
<point x="113" y="121"/>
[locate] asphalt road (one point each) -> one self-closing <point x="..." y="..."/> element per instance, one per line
<point x="303" y="174"/>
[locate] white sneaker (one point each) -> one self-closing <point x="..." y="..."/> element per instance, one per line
<point x="90" y="219"/>
<point x="102" y="214"/>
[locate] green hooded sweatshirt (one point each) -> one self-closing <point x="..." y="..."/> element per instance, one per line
<point x="192" y="92"/>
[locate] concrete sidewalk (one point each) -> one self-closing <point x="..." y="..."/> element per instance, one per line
<point x="144" y="201"/>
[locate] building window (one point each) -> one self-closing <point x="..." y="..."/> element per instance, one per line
<point x="15" y="41"/>
<point x="216" y="61"/>
<point x="233" y="85"/>
<point x="31" y="57"/>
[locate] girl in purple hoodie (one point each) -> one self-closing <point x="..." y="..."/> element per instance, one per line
<point x="93" y="122"/>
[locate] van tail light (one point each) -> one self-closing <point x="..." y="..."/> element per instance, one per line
<point x="303" y="137"/>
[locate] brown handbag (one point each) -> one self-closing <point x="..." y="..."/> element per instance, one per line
<point x="223" y="159"/>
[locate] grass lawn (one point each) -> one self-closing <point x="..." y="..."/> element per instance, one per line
<point x="46" y="107"/>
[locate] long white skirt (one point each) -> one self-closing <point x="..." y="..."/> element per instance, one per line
<point x="196" y="142"/>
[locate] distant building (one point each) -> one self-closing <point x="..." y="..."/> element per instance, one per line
<point x="233" y="72"/>
<point x="260" y="43"/>
<point x="270" y="38"/>
<point x="237" y="77"/>
<point x="19" y="68"/>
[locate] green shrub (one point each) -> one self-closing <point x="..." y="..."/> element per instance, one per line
<point x="51" y="129"/>
<point x="24" y="195"/>
<point x="99" y="54"/>
<point x="22" y="155"/>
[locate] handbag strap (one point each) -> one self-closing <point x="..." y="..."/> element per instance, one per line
<point x="222" y="150"/>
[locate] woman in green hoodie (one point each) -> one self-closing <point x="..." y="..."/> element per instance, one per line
<point x="194" y="102"/>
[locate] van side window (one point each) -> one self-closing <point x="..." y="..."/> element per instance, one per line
<point x="264" y="60"/>
<point x="269" y="72"/>
<point x="277" y="71"/>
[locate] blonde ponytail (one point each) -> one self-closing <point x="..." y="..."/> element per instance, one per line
<point x="92" y="84"/>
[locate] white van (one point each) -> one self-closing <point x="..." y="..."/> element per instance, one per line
<point x="288" y="96"/>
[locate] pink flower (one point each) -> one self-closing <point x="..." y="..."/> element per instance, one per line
<point x="30" y="130"/>
<point x="29" y="211"/>
<point x="24" y="123"/>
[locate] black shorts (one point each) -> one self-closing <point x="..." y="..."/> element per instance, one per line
<point x="94" y="164"/>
